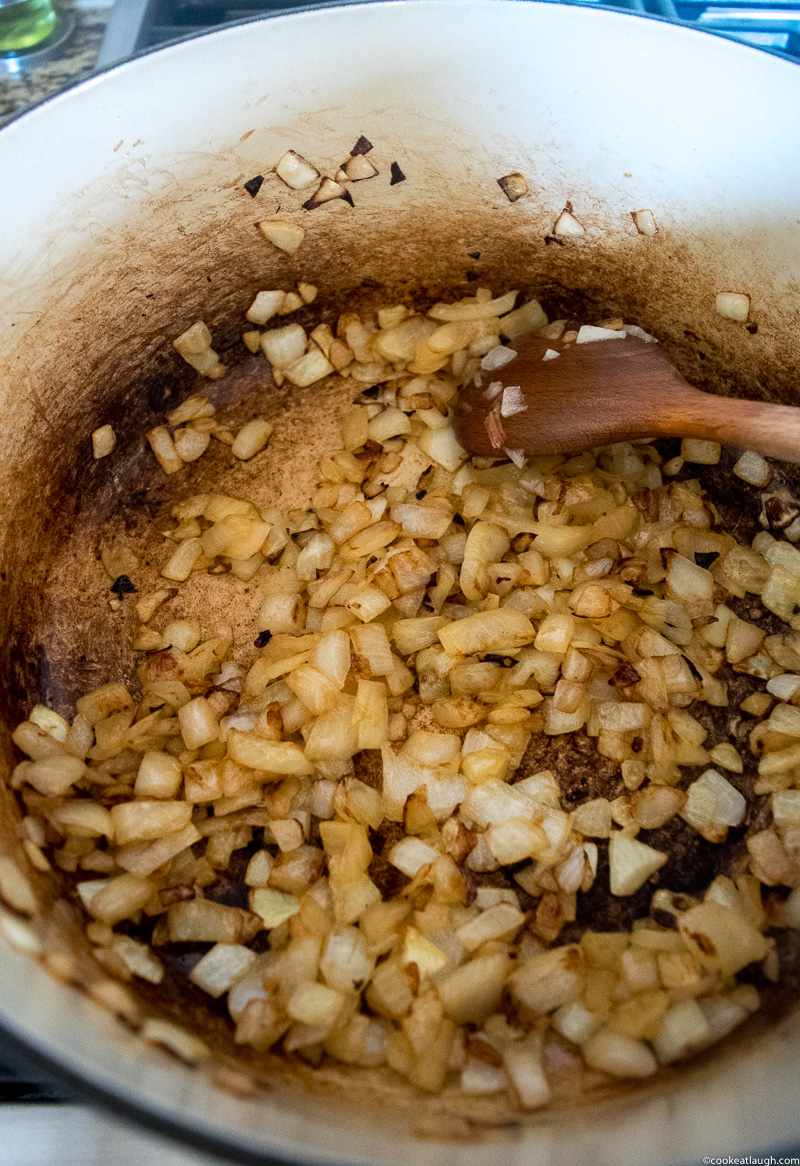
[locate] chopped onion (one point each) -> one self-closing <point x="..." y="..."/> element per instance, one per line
<point x="733" y="306"/>
<point x="285" y="236"/>
<point x="104" y="440"/>
<point x="251" y="439"/>
<point x="497" y="358"/>
<point x="513" y="185"/>
<point x="296" y="171"/>
<point x="567" y="224"/>
<point x="588" y="333"/>
<point x="645" y="222"/>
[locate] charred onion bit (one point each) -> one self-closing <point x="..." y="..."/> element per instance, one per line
<point x="123" y="586"/>
<point x="253" y="185"/>
<point x="513" y="185"/>
<point x="362" y="146"/>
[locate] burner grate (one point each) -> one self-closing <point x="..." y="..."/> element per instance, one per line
<point x="18" y="1086"/>
<point x="141" y="24"/>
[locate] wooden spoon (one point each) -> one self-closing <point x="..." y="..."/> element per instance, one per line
<point x="606" y="391"/>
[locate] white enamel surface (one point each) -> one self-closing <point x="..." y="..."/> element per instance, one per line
<point x="612" y="112"/>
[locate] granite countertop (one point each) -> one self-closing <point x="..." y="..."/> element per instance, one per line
<point x="67" y="63"/>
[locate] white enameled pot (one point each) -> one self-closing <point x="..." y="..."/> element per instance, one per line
<point x="124" y="219"/>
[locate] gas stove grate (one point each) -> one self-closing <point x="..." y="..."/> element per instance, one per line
<point x="19" y="1085"/>
<point x="143" y="24"/>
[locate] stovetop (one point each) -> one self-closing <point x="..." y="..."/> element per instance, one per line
<point x="23" y="1087"/>
<point x="143" y="24"/>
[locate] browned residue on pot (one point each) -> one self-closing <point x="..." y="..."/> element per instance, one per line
<point x="101" y="353"/>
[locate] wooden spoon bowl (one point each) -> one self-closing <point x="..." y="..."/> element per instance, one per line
<point x="609" y="390"/>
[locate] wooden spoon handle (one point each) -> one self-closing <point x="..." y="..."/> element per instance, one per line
<point x="771" y="430"/>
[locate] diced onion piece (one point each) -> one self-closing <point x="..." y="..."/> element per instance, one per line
<point x="103" y="441"/>
<point x="547" y="981"/>
<point x="786" y="808"/>
<point x="54" y="776"/>
<point x="20" y="936"/>
<point x="84" y="819"/>
<point x="576" y="1023"/>
<point x="186" y="1046"/>
<point x="194" y="340"/>
<point x="344" y="960"/>
<point x="513" y="185"/>
<point x="112" y="900"/>
<point x="473" y="309"/>
<point x="259" y="869"/>
<point x="291" y="303"/>
<point x="593" y="818"/>
<point x="443" y="447"/>
<point x="588" y="334"/>
<point x="721" y="938"/>
<point x="474" y="990"/>
<point x="529" y="317"/>
<point x="220" y="967"/>
<point x="143" y="858"/>
<point x="203" y="921"/>
<point x="645" y="222"/>
<point x="295" y="170"/>
<point x="785" y="686"/>
<point x="190" y="444"/>
<point x="478" y="1077"/>
<point x="502" y="630"/>
<point x="713" y="804"/>
<point x="631" y="863"/>
<point x="513" y="401"/>
<point x="368" y="603"/>
<point x="275" y="757"/>
<point x="140" y="821"/>
<point x="619" y="1055"/>
<point x="285" y="236"/>
<point x="283" y="346"/>
<point x="265" y="306"/>
<point x="567" y="224"/>
<point x="15" y="888"/>
<point x="182" y="561"/>
<point x="251" y="439"/>
<point x="194" y="408"/>
<point x="315" y="1004"/>
<point x="497" y="358"/>
<point x="498" y="922"/>
<point x="410" y="855"/>
<point x="726" y="755"/>
<point x="706" y="453"/>
<point x="733" y="306"/>
<point x="138" y="958"/>
<point x="309" y="369"/>
<point x="419" y="950"/>
<point x="752" y="468"/>
<point x="515" y="839"/>
<point x="633" y="330"/>
<point x="523" y="1064"/>
<point x="199" y="725"/>
<point x="391" y="422"/>
<point x="551" y="354"/>
<point x="163" y="447"/>
<point x="50" y="721"/>
<point x="359" y="168"/>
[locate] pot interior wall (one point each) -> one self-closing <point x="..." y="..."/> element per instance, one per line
<point x="163" y="235"/>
